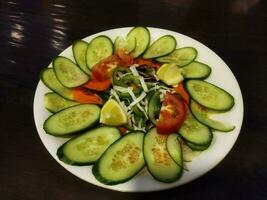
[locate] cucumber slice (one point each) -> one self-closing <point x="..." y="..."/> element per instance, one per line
<point x="194" y="132"/>
<point x="54" y="102"/>
<point x="79" y="49"/>
<point x="159" y="162"/>
<point x="88" y="147"/>
<point x="127" y="45"/>
<point x="142" y="38"/>
<point x="68" y="73"/>
<point x="154" y="106"/>
<point x="181" y="57"/>
<point x="174" y="149"/>
<point x="161" y="47"/>
<point x="121" y="161"/>
<point x="197" y="147"/>
<point x="203" y="114"/>
<point x="99" y="48"/>
<point x="188" y="153"/>
<point x="49" y="78"/>
<point x="72" y="119"/>
<point x="196" y="70"/>
<point x="209" y="95"/>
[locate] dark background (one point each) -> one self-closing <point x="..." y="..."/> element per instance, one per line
<point x="33" y="32"/>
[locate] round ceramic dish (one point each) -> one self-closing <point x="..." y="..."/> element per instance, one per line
<point x="222" y="143"/>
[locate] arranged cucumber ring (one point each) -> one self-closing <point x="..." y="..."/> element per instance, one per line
<point x="202" y="114"/>
<point x="195" y="132"/>
<point x="196" y="70"/>
<point x="122" y="160"/>
<point x="133" y="105"/>
<point x="174" y="148"/>
<point x="72" y="120"/>
<point x="197" y="147"/>
<point x="68" y="73"/>
<point x="99" y="48"/>
<point x="161" y="47"/>
<point x="158" y="159"/>
<point x="87" y="148"/>
<point x="54" y="102"/>
<point x="209" y="95"/>
<point x="49" y="78"/>
<point x="181" y="57"/>
<point x="141" y="36"/>
<point x="79" y="49"/>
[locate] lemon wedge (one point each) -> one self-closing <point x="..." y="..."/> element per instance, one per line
<point x="112" y="114"/>
<point x="170" y="74"/>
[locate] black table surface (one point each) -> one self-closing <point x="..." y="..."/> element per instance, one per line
<point x="33" y="32"/>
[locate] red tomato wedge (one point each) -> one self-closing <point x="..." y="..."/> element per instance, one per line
<point x="103" y="70"/>
<point x="123" y="130"/>
<point x="83" y="95"/>
<point x="148" y="62"/>
<point x="126" y="60"/>
<point x="172" y="114"/>
<point x="97" y="85"/>
<point x="180" y="90"/>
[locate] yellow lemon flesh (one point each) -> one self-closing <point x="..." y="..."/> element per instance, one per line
<point x="112" y="114"/>
<point x="170" y="74"/>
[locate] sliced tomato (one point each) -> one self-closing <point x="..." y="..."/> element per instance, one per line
<point x="126" y="60"/>
<point x="148" y="62"/>
<point x="103" y="70"/>
<point x="97" y="85"/>
<point x="83" y="95"/>
<point x="123" y="130"/>
<point x="172" y="114"/>
<point x="180" y="90"/>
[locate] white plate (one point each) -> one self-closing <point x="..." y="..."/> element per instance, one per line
<point x="222" y="143"/>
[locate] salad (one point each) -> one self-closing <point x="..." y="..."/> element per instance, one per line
<point x="131" y="104"/>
